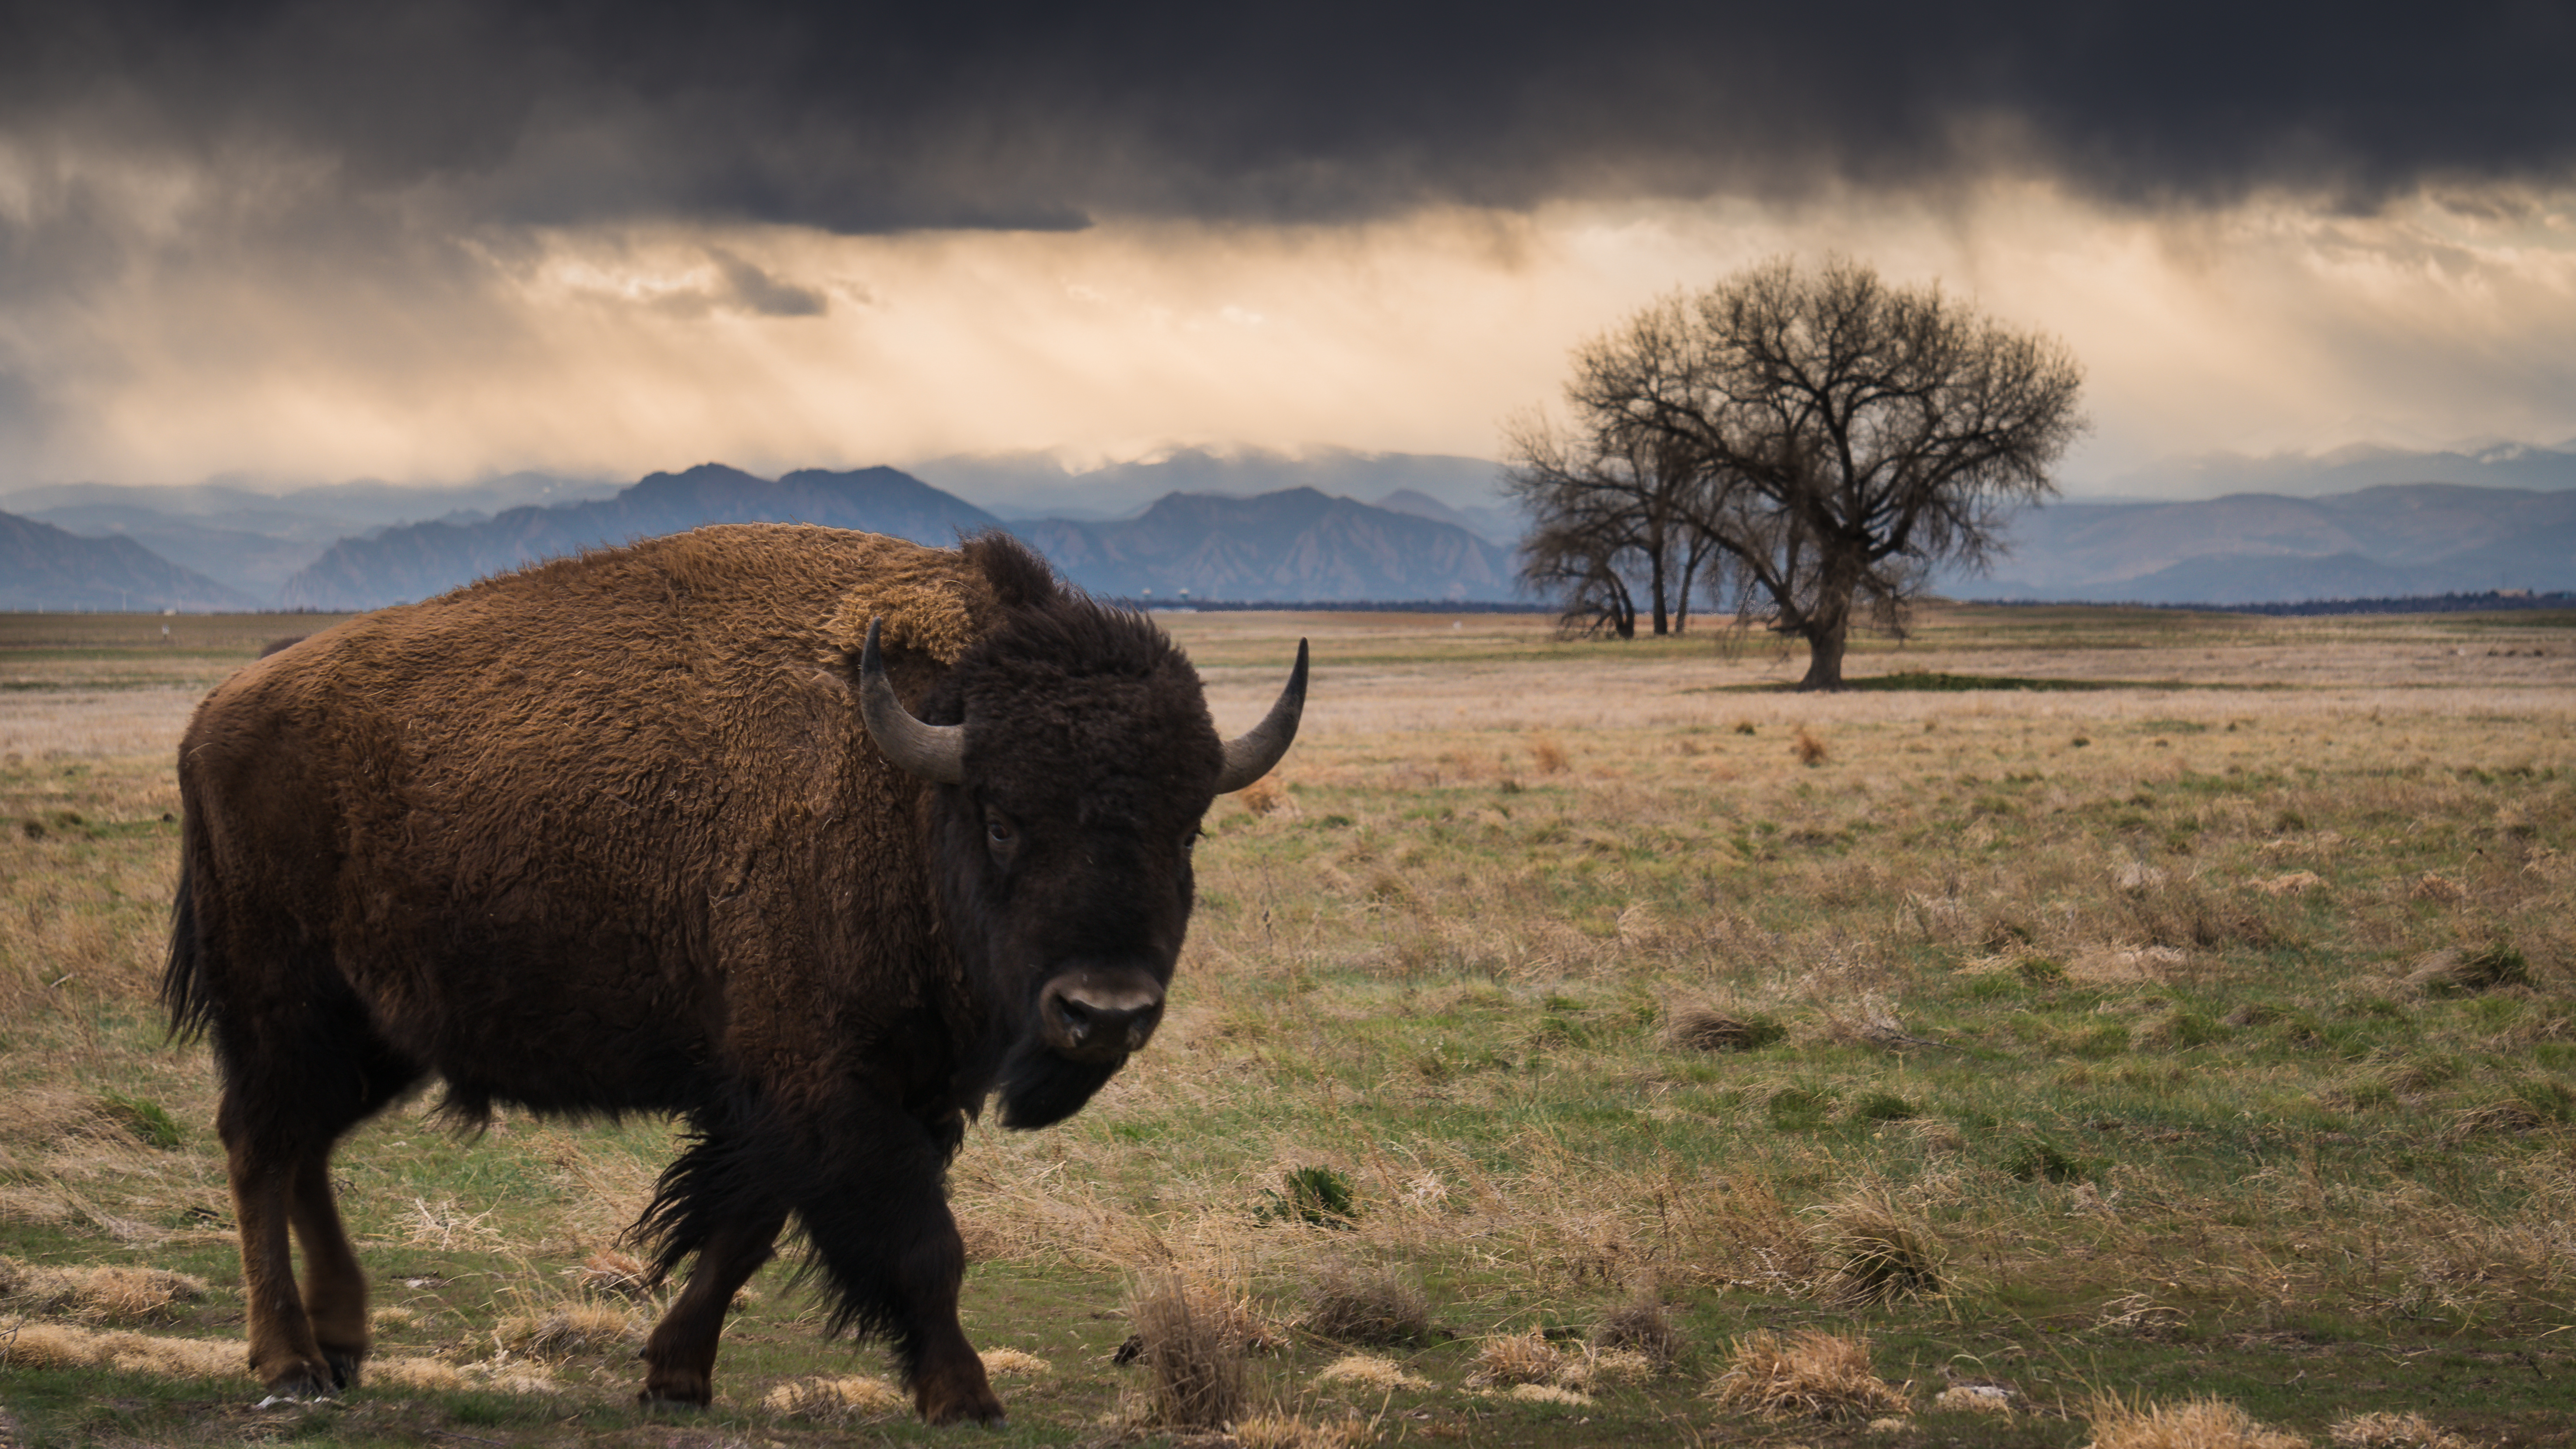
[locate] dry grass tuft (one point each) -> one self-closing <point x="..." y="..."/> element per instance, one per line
<point x="54" y="1345"/>
<point x="1013" y="1363"/>
<point x="2192" y="1424"/>
<point x="2385" y="1430"/>
<point x="838" y="1401"/>
<point x="1548" y="754"/>
<point x="567" y="1329"/>
<point x="1702" y="1029"/>
<point x="1879" y="1252"/>
<point x="1353" y="1304"/>
<point x="1549" y="1394"/>
<point x="1286" y="1431"/>
<point x="2511" y="1117"/>
<point x="1810" y="750"/>
<point x="1515" y="1358"/>
<point x="2139" y="1316"/>
<point x="426" y="1375"/>
<point x="2458" y="972"/>
<point x="1264" y="796"/>
<point x="2296" y="883"/>
<point x="505" y="1375"/>
<point x="1596" y="1369"/>
<point x="1192" y="1355"/>
<point x="1641" y="1326"/>
<point x="103" y="1294"/>
<point x="610" y="1271"/>
<point x="1812" y="1374"/>
<point x="1383" y="1374"/>
<point x="1975" y="1399"/>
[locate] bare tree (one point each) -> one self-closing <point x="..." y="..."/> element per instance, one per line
<point x="1840" y="436"/>
<point x="1616" y="519"/>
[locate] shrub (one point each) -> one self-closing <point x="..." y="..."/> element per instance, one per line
<point x="1316" y="1195"/>
<point x="1367" y="1305"/>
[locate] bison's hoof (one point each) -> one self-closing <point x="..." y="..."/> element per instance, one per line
<point x="672" y="1396"/>
<point x="344" y="1364"/>
<point x="303" y="1379"/>
<point x="978" y="1407"/>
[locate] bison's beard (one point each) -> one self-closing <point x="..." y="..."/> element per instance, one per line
<point x="1040" y="1088"/>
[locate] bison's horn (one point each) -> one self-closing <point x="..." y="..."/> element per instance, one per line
<point x="1249" y="756"/>
<point x="936" y="753"/>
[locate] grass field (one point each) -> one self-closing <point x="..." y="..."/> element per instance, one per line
<point x="1577" y="1043"/>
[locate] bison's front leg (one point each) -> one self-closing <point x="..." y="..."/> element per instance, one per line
<point x="890" y="1247"/>
<point x="947" y="1375"/>
<point x="680" y="1357"/>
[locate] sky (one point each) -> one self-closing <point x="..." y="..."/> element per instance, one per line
<point x="440" y="240"/>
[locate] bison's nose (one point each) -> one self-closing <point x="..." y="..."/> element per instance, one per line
<point x="1098" y="1015"/>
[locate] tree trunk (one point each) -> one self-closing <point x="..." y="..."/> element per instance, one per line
<point x="1655" y="580"/>
<point x="1827" y="631"/>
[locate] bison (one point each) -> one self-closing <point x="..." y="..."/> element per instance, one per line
<point x="815" y="839"/>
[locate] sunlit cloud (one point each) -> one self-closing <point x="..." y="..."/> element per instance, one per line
<point x="615" y="350"/>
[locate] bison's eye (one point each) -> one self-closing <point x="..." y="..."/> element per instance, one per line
<point x="999" y="832"/>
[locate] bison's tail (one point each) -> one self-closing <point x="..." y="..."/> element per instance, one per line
<point x="185" y="992"/>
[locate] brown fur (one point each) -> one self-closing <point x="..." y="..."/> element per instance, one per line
<point x="607" y="835"/>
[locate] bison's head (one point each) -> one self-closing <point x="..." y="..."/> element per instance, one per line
<point x="1072" y="755"/>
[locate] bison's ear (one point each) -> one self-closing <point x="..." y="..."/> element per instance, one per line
<point x="1019" y="577"/>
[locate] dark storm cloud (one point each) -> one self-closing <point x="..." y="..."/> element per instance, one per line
<point x="1017" y="114"/>
<point x="757" y="292"/>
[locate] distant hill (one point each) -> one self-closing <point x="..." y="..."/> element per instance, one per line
<point x="44" y="567"/>
<point x="1296" y="544"/>
<point x="2258" y="548"/>
<point x="1493" y="522"/>
<point x="2350" y="470"/>
<point x="420" y="559"/>
<point x="1040" y="485"/>
<point x="254" y="542"/>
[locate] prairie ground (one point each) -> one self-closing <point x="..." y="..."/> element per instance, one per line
<point x="1578" y="1042"/>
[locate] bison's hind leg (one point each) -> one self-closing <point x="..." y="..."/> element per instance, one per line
<point x="286" y="1101"/>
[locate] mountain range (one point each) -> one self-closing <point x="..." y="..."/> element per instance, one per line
<point x="44" y="567"/>
<point x="2389" y="541"/>
<point x="1263" y="527"/>
<point x="1029" y="485"/>
<point x="417" y="560"/>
